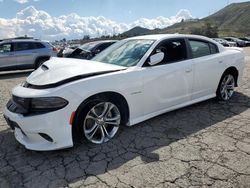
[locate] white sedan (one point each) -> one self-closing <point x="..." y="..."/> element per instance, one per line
<point x="131" y="81"/>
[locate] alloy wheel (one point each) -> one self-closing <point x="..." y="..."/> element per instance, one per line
<point x="102" y="122"/>
<point x="227" y="87"/>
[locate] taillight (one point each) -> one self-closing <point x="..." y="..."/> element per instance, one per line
<point x="55" y="49"/>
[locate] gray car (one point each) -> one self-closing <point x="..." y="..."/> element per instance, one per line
<point x="239" y="42"/>
<point x="21" y="54"/>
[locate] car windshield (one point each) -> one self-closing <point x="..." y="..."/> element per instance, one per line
<point x="88" y="46"/>
<point x="125" y="53"/>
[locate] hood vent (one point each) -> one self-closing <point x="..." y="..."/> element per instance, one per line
<point x="44" y="67"/>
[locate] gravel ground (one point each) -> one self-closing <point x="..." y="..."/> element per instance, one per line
<point x="204" y="145"/>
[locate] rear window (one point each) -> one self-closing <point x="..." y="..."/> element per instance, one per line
<point x="213" y="48"/>
<point x="38" y="45"/>
<point x="20" y="46"/>
<point x="202" y="48"/>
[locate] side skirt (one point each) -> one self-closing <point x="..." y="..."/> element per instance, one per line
<point x="151" y="115"/>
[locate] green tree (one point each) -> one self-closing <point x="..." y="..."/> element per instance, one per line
<point x="196" y="31"/>
<point x="206" y="30"/>
<point x="210" y="31"/>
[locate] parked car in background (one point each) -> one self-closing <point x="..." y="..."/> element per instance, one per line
<point x="239" y="42"/>
<point x="247" y="40"/>
<point x="66" y="50"/>
<point x="20" y="54"/>
<point x="225" y="42"/>
<point x="89" y="50"/>
<point x="131" y="81"/>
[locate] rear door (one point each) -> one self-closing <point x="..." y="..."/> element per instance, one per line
<point x="7" y="55"/>
<point x="26" y="53"/>
<point x="208" y="66"/>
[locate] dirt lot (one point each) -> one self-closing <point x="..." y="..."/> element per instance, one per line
<point x="207" y="144"/>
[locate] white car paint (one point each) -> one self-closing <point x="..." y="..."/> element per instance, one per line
<point x="149" y="91"/>
<point x="60" y="69"/>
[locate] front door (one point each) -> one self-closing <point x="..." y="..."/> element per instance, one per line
<point x="170" y="82"/>
<point x="7" y="56"/>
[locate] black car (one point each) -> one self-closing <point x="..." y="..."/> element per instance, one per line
<point x="239" y="42"/>
<point x="91" y="49"/>
<point x="247" y="40"/>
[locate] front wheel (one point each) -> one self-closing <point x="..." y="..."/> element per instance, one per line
<point x="226" y="87"/>
<point x="101" y="122"/>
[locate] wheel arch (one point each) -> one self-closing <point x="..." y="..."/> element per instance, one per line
<point x="234" y="71"/>
<point x="117" y="97"/>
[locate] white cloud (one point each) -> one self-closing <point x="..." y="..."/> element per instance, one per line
<point x="22" y="1"/>
<point x="40" y="24"/>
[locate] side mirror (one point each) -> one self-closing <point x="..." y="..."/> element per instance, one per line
<point x="156" y="58"/>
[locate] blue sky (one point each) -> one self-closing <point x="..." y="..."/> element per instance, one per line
<point x="117" y="10"/>
<point x="72" y="19"/>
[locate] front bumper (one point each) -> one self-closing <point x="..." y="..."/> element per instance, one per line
<point x="42" y="132"/>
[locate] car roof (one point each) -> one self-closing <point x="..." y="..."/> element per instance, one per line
<point x="21" y="40"/>
<point x="101" y="41"/>
<point x="159" y="37"/>
<point x="166" y="36"/>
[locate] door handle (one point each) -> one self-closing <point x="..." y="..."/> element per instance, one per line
<point x="188" y="70"/>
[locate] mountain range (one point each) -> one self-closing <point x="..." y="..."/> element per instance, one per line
<point x="233" y="20"/>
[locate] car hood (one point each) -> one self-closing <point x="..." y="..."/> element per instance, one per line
<point x="57" y="71"/>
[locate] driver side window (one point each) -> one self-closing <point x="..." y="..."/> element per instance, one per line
<point x="174" y="50"/>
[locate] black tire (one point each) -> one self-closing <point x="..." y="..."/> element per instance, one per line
<point x="79" y="133"/>
<point x="226" y="87"/>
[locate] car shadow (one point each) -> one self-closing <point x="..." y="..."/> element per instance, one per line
<point x="16" y="74"/>
<point x="143" y="140"/>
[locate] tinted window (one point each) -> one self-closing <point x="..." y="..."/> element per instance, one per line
<point x="213" y="48"/>
<point x="199" y="48"/>
<point x="20" y="46"/>
<point x="174" y="50"/>
<point x="4" y="48"/>
<point x="38" y="45"/>
<point x="102" y="47"/>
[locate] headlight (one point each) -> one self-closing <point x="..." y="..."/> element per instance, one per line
<point x="47" y="104"/>
<point x="40" y="104"/>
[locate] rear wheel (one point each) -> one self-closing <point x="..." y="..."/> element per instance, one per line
<point x="99" y="121"/>
<point x="226" y="87"/>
